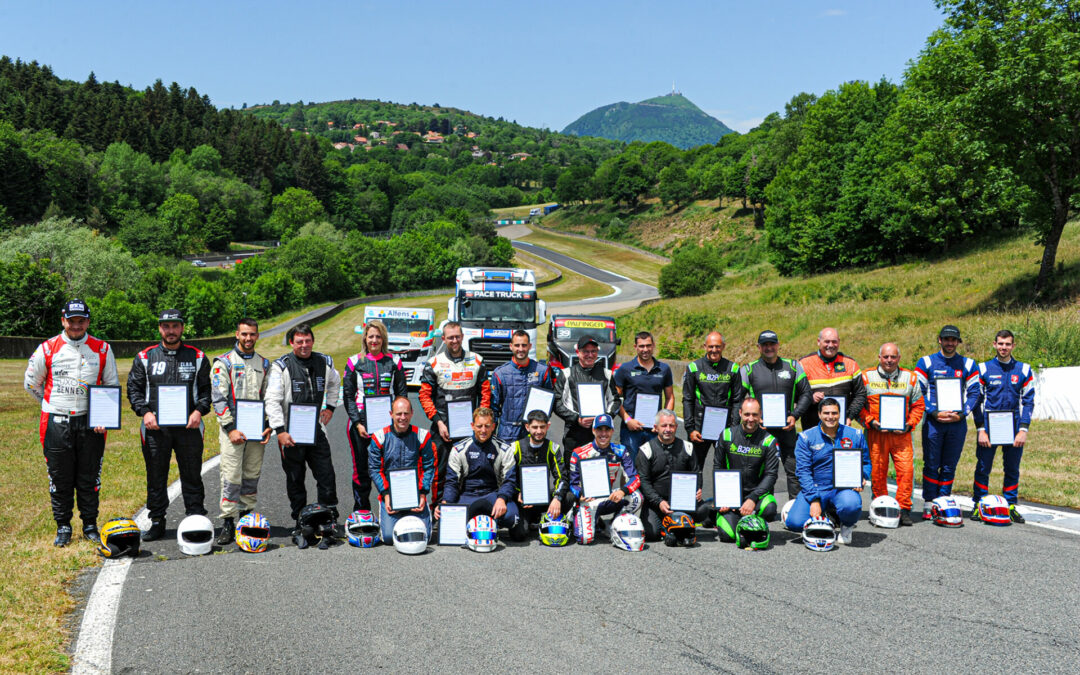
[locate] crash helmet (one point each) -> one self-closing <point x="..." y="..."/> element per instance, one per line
<point x="885" y="512"/>
<point x="482" y="534"/>
<point x="677" y="529"/>
<point x="195" y="535"/>
<point x="627" y="532"/>
<point x="784" y="511"/>
<point x="819" y="534"/>
<point x="253" y="533"/>
<point x="945" y="511"/>
<point x="752" y="532"/>
<point x="316" y="522"/>
<point x="410" y="536"/>
<point x="584" y="524"/>
<point x="120" y="537"/>
<point x="362" y="529"/>
<point x="994" y="510"/>
<point x="555" y="531"/>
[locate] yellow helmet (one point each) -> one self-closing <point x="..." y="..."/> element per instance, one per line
<point x="119" y="537"/>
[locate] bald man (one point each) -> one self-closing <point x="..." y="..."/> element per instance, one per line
<point x="832" y="375"/>
<point x="711" y="381"/>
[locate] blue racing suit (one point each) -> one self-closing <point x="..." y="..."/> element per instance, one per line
<point x="618" y="458"/>
<point x="944" y="441"/>
<point x="478" y="473"/>
<point x="510" y="385"/>
<point x="1005" y="386"/>
<point x="391" y="450"/>
<point x="814" y="467"/>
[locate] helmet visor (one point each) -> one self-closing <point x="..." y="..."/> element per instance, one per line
<point x="418" y="535"/>
<point x="887" y="512"/>
<point x="631" y="534"/>
<point x="254" y="532"/>
<point x="197" y="536"/>
<point x="482" y="535"/>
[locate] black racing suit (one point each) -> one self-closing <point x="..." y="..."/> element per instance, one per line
<point x="567" y="406"/>
<point x="784" y="376"/>
<point x="756" y="459"/>
<point x="655" y="462"/>
<point x="551" y="454"/>
<point x="708" y="384"/>
<point x="155" y="366"/>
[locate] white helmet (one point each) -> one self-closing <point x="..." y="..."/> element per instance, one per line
<point x="819" y="534"/>
<point x="885" y="512"/>
<point x="627" y="532"/>
<point x="584" y="524"/>
<point x="410" y="536"/>
<point x="784" y="511"/>
<point x="195" y="535"/>
<point x="482" y="534"/>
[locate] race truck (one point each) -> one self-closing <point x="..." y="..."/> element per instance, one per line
<point x="491" y="303"/>
<point x="564" y="330"/>
<point x="412" y="336"/>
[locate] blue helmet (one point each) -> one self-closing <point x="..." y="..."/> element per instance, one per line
<point x="483" y="534"/>
<point x="362" y="529"/>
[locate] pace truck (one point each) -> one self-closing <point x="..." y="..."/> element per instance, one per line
<point x="491" y="303"/>
<point x="412" y="336"/>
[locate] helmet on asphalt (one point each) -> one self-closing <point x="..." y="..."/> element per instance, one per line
<point x="584" y="524"/>
<point x="819" y="534"/>
<point x="316" y="523"/>
<point x="410" y="536"/>
<point x="362" y="529"/>
<point x="555" y="531"/>
<point x="482" y="534"/>
<point x="945" y="511"/>
<point x="885" y="512"/>
<point x="677" y="529"/>
<point x="994" y="510"/>
<point x="784" y="511"/>
<point x="120" y="536"/>
<point x="253" y="533"/>
<point x="752" y="532"/>
<point x="195" y="535"/>
<point x="627" y="532"/>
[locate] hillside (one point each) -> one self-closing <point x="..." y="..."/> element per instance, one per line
<point x="672" y="118"/>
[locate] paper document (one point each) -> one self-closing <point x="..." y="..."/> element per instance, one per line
<point x="377" y="411"/>
<point x="104" y="407"/>
<point x="250" y="419"/>
<point x="534" y="484"/>
<point x="715" y="422"/>
<point x="594" y="478"/>
<point x="683" y="492"/>
<point x="949" y="394"/>
<point x="539" y="399"/>
<point x="452" y="525"/>
<point x="645" y="409"/>
<point x="302" y="421"/>
<point x="727" y="489"/>
<point x="404" y="493"/>
<point x="774" y="412"/>
<point x="590" y="400"/>
<point x="460" y="414"/>
<point x="172" y="405"/>
<point x="847" y="469"/>
<point x="892" y="412"/>
<point x="1000" y="427"/>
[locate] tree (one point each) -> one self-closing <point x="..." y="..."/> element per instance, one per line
<point x="291" y="210"/>
<point x="693" y="270"/>
<point x="181" y="216"/>
<point x="573" y="184"/>
<point x="675" y="185"/>
<point x="30" y="297"/>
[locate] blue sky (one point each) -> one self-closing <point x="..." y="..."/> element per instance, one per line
<point x="540" y="63"/>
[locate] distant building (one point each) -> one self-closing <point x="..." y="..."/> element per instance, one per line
<point x="402" y="147"/>
<point x="360" y="139"/>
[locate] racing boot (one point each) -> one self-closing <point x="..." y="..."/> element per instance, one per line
<point x="156" y="531"/>
<point x="228" y="532"/>
<point x="975" y="514"/>
<point x="1015" y="515"/>
<point x="90" y="532"/>
<point x="905" y="517"/>
<point x="63" y="535"/>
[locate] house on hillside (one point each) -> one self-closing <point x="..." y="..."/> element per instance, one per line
<point x="360" y="139"/>
<point x="358" y="126"/>
<point x="471" y="134"/>
<point x="402" y="147"/>
<point x="433" y="137"/>
<point x="342" y="146"/>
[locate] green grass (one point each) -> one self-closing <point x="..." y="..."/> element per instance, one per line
<point x="572" y="286"/>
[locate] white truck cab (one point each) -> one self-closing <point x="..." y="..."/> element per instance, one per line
<point x="412" y="336"/>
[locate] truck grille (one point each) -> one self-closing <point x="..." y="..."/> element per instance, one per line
<point x="495" y="353"/>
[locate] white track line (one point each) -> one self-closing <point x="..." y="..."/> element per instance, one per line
<point x="93" y="646"/>
<point x="968" y="503"/>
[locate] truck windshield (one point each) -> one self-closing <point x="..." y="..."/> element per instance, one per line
<point x="563" y="333"/>
<point x="485" y="309"/>
<point x="406" y="326"/>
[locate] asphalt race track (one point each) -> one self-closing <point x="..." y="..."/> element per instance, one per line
<point x="919" y="599"/>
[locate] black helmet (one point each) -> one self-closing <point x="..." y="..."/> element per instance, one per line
<point x="677" y="529"/>
<point x="316" y="522"/>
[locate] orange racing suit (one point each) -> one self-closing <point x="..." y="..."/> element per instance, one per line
<point x="884" y="444"/>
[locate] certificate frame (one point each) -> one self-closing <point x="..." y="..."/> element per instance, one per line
<point x="680" y="477"/>
<point x="648" y="421"/>
<point x="891" y="400"/>
<point x="530" y="499"/>
<point x="453" y="536"/>
<point x="530" y="402"/>
<point x="946" y="386"/>
<point x="583" y="387"/>
<point x="262" y="417"/>
<point x="454" y="421"/>
<point x="367" y="412"/>
<point x="765" y="398"/>
<point x="170" y="422"/>
<point x="994" y="431"/>
<point x="114" y="418"/>
<point x="590" y="489"/>
<point x="707" y="417"/>
<point x="299" y="407"/>
<point x="410" y="496"/>
<point x="725" y="478"/>
<point x="846" y="456"/>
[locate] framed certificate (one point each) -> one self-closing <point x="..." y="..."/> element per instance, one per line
<point x="250" y="419"/>
<point x="842" y="402"/>
<point x="714" y="423"/>
<point x="104" y="407"/>
<point x="404" y="492"/>
<point x="539" y="399"/>
<point x="590" y="400"/>
<point x="949" y="394"/>
<point x="377" y="412"/>
<point x="172" y="402"/>
<point x="460" y="414"/>
<point x="847" y="469"/>
<point x="683" y="491"/>
<point x="452" y="524"/>
<point x="302" y="421"/>
<point x="645" y="408"/>
<point x="594" y="478"/>
<point x="774" y="412"/>
<point x="892" y="412"/>
<point x="534" y="484"/>
<point x="727" y="489"/>
<point x="1000" y="427"/>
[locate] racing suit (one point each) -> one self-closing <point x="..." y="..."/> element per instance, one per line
<point x="836" y="378"/>
<point x="510" y="385"/>
<point x="757" y="460"/>
<point x="446" y="378"/>
<point x="787" y="377"/>
<point x="551" y="454"/>
<point x="392" y="450"/>
<point x="57" y="375"/>
<point x="236" y="375"/>
<point x="707" y="384"/>
<point x="1005" y="386"/>
<point x="944" y="441"/>
<point x="618" y="461"/>
<point x="155" y="366"/>
<point x="310" y="381"/>
<point x="367" y="375"/>
<point x="633" y="378"/>
<point x="478" y="474"/>
<point x="655" y="462"/>
<point x="814" y="458"/>
<point x="885" y="444"/>
<point x="568" y="408"/>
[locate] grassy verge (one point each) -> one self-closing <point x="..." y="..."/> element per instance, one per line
<point x="572" y="286"/>
<point x="624" y="261"/>
<point x="543" y="270"/>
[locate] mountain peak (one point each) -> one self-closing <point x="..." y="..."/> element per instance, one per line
<point x="671" y="118"/>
